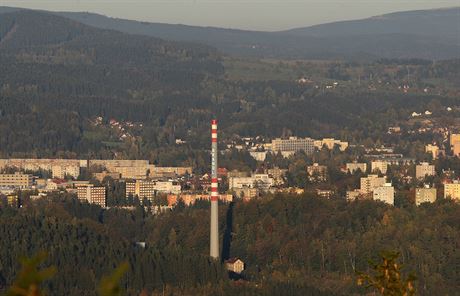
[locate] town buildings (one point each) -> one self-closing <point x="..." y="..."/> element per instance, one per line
<point x="425" y="194"/>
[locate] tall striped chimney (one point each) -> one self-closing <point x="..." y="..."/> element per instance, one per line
<point x="214" y="242"/>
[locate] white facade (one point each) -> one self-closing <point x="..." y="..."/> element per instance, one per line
<point x="261" y="181"/>
<point x="424" y="195"/>
<point x="369" y="183"/>
<point x="423" y="170"/>
<point x="385" y="193"/>
<point x="354" y="166"/>
<point x="379" y="165"/>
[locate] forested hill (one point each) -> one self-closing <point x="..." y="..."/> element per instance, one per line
<point x="38" y="34"/>
<point x="428" y="34"/>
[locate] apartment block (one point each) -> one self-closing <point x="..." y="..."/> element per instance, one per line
<point x="62" y="171"/>
<point x="16" y="180"/>
<point x="423" y="195"/>
<point x="330" y="143"/>
<point x="148" y="188"/>
<point x="455" y="144"/>
<point x="379" y="165"/>
<point x="385" y="193"/>
<point x="354" y="166"/>
<point x="261" y="181"/>
<point x="293" y="144"/>
<point x="452" y="190"/>
<point x="433" y="150"/>
<point x="369" y="183"/>
<point x="423" y="170"/>
<point x="92" y="194"/>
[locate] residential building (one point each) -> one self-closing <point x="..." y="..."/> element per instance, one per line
<point x="452" y="190"/>
<point x="16" y="180"/>
<point x="235" y="265"/>
<point x="159" y="172"/>
<point x="12" y="200"/>
<point x="379" y="166"/>
<point x="148" y="188"/>
<point x="330" y="143"/>
<point x="293" y="144"/>
<point x="101" y="176"/>
<point x="385" y="193"/>
<point x="423" y="195"/>
<point x="317" y="173"/>
<point x="246" y="193"/>
<point x="455" y="144"/>
<point x="423" y="170"/>
<point x="354" y="166"/>
<point x="369" y="183"/>
<point x="261" y="181"/>
<point x="433" y="150"/>
<point x="63" y="171"/>
<point x="92" y="194"/>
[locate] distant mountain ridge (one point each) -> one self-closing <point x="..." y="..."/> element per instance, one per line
<point x="426" y="34"/>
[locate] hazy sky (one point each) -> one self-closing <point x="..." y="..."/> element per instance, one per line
<point x="252" y="14"/>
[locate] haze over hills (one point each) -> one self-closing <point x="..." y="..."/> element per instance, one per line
<point x="426" y="34"/>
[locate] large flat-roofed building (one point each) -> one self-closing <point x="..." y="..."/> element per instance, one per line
<point x="369" y="183"/>
<point x="148" y="188"/>
<point x="452" y="190"/>
<point x="261" y="181"/>
<point x="330" y="143"/>
<point x="424" y="195"/>
<point x="58" y="167"/>
<point x="16" y="180"/>
<point x="62" y="171"/>
<point x="354" y="166"/>
<point x="127" y="168"/>
<point x="455" y="144"/>
<point x="159" y="172"/>
<point x="379" y="166"/>
<point x="423" y="170"/>
<point x="92" y="194"/>
<point x="385" y="193"/>
<point x="293" y="144"/>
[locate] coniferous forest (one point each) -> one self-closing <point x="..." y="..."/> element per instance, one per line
<point x="304" y="245"/>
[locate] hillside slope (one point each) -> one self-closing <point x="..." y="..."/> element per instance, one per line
<point x="427" y="34"/>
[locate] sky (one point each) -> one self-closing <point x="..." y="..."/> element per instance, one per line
<point x="268" y="15"/>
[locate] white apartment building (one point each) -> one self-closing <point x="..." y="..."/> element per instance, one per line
<point x="369" y="183"/>
<point x="92" y="194"/>
<point x="293" y="144"/>
<point x="423" y="170"/>
<point x="148" y="188"/>
<point x="16" y="180"/>
<point x="354" y="166"/>
<point x="385" y="193"/>
<point x="379" y="165"/>
<point x="452" y="190"/>
<point x="330" y="143"/>
<point x="423" y="195"/>
<point x="261" y="181"/>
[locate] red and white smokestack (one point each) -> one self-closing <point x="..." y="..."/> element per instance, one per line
<point x="214" y="237"/>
